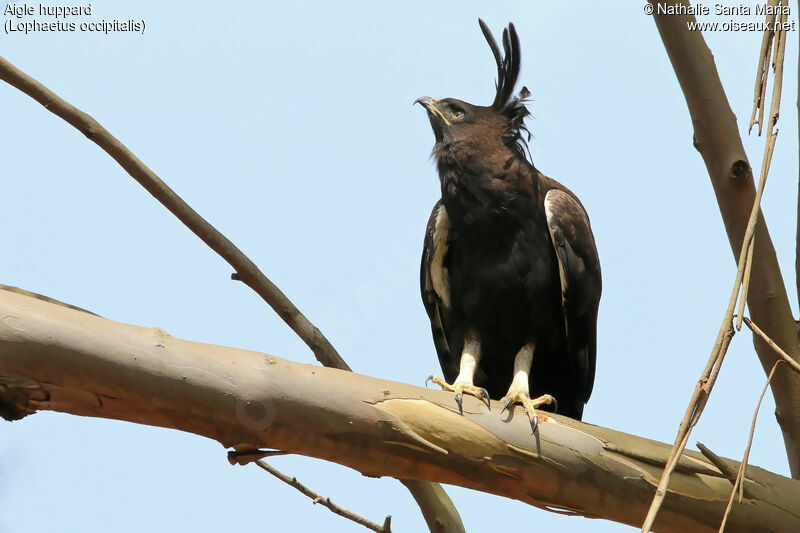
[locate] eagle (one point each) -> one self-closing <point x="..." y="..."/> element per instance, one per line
<point x="510" y="274"/>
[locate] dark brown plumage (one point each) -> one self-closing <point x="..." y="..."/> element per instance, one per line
<point x="510" y="275"/>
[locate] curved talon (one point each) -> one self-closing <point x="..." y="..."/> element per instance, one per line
<point x="461" y="388"/>
<point x="555" y="404"/>
<point x="509" y="401"/>
<point x="488" y="400"/>
<point x="529" y="404"/>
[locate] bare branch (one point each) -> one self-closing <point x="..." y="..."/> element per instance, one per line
<point x="794" y="365"/>
<point x="724" y="465"/>
<point x="797" y="222"/>
<point x="247" y="271"/>
<point x="243" y="457"/>
<point x="679" y="42"/>
<point x="436" y="506"/>
<point x="326" y="502"/>
<point x="56" y="358"/>
<point x="777" y="65"/>
<point x="748" y="267"/>
<point x="738" y="485"/>
<point x="438" y="509"/>
<point x="762" y="73"/>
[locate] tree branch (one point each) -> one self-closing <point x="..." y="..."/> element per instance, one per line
<point x="741" y="285"/>
<point x="437" y="508"/>
<point x="794" y="365"/>
<point x="247" y="271"/>
<point x="797" y="222"/>
<point x="738" y="484"/>
<point x="56" y="358"/>
<point x="762" y="72"/>
<point x="326" y="502"/>
<point x="716" y="137"/>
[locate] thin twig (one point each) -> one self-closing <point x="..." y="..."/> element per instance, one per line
<point x="738" y="482"/>
<point x="738" y="485"/>
<point x="748" y="266"/>
<point x="762" y="72"/>
<point x="794" y="365"/>
<point x="774" y="109"/>
<point x="726" y="331"/>
<point x="777" y="65"/>
<point x="247" y="271"/>
<point x="326" y="502"/>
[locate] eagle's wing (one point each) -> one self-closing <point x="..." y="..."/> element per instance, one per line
<point x="435" y="286"/>
<point x="579" y="270"/>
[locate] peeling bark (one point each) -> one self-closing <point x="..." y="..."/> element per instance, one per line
<point x="61" y="359"/>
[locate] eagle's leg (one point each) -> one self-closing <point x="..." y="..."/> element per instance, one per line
<point x="470" y="357"/>
<point x="519" y="391"/>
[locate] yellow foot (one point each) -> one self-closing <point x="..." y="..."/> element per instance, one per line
<point x="461" y="388"/>
<point x="530" y="406"/>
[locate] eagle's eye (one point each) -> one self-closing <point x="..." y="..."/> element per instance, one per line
<point x="458" y="113"/>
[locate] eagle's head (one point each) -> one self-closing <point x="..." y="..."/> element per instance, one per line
<point x="463" y="128"/>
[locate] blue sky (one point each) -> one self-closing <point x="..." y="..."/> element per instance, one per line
<point x="290" y="127"/>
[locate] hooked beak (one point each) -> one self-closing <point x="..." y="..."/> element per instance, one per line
<point x="430" y="106"/>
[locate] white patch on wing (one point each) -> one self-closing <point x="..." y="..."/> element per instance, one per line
<point x="551" y="201"/>
<point x="440" y="277"/>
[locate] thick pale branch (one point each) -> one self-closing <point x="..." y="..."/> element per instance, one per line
<point x="436" y="506"/>
<point x="716" y="136"/>
<point x="56" y="358"/>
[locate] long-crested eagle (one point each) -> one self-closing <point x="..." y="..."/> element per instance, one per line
<point x="510" y="274"/>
